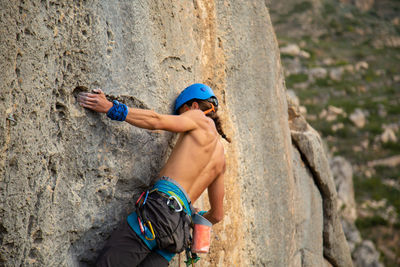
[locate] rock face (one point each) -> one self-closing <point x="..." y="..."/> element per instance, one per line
<point x="364" y="253"/>
<point x="68" y="175"/>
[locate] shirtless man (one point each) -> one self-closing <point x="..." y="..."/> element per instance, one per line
<point x="196" y="163"/>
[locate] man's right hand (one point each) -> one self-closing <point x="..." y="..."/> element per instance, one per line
<point x="95" y="101"/>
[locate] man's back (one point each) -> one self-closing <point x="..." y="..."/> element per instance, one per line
<point x="197" y="158"/>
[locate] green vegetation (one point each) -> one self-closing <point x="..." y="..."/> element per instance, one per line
<point x="301" y="7"/>
<point x="388" y="172"/>
<point x="354" y="41"/>
<point x="374" y="188"/>
<point x="368" y="222"/>
<point x="328" y="9"/>
<point x="296" y="78"/>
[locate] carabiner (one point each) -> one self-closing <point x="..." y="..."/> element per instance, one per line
<point x="139" y="198"/>
<point x="140" y="225"/>
<point x="151" y="230"/>
<point x="180" y="205"/>
<point x="147" y="194"/>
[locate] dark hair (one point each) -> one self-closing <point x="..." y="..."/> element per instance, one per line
<point x="205" y="105"/>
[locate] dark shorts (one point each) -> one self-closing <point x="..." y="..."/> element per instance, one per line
<point x="125" y="248"/>
<point x="128" y="247"/>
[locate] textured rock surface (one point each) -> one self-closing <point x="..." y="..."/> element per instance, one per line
<point x="67" y="175"/>
<point x="342" y="172"/>
<point x="364" y="253"/>
<point x="311" y="148"/>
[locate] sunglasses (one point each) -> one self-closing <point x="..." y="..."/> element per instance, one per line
<point x="213" y="100"/>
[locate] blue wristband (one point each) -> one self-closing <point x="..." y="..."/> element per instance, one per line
<point x="118" y="112"/>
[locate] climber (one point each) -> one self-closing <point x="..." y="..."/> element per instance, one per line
<point x="159" y="227"/>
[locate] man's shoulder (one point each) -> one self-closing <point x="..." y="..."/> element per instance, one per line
<point x="203" y="122"/>
<point x="194" y="113"/>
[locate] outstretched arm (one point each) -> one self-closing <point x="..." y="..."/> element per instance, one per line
<point x="141" y="118"/>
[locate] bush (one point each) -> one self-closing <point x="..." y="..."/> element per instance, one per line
<point x="301" y="7"/>
<point x="369" y="222"/>
<point x="296" y="78"/>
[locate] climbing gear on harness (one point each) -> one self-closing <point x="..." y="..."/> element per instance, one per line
<point x="144" y="224"/>
<point x="195" y="91"/>
<point x="172" y="206"/>
<point x="164" y="187"/>
<point x="166" y="200"/>
<point x="191" y="258"/>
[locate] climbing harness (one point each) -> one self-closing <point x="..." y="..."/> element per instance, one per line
<point x="177" y="202"/>
<point x="145" y="224"/>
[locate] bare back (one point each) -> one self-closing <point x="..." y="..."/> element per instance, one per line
<point x="197" y="159"/>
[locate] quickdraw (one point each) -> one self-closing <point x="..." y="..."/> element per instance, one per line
<point x="191" y="258"/>
<point x="144" y="224"/>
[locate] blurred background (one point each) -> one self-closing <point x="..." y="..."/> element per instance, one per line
<point x="341" y="60"/>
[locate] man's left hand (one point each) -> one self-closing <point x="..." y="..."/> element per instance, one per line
<point x="95" y="101"/>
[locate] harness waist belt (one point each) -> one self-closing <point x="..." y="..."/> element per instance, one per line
<point x="171" y="188"/>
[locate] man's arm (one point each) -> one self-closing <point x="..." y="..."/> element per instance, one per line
<point x="216" y="193"/>
<point x="141" y="118"/>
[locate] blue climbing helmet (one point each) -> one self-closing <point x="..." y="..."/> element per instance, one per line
<point x="195" y="91"/>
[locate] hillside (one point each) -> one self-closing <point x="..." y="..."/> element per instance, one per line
<point x="341" y="58"/>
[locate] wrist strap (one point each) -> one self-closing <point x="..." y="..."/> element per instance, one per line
<point x="118" y="111"/>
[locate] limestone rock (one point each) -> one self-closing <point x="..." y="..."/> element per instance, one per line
<point x="388" y="136"/>
<point x="364" y="5"/>
<point x="309" y="144"/>
<point x="318" y="72"/>
<point x="366" y="255"/>
<point x="343" y="175"/>
<point x="294" y="50"/>
<point x="291" y="49"/>
<point x="336" y="249"/>
<point x="68" y="176"/>
<point x="358" y="118"/>
<point x="336" y="73"/>
<point x="362" y="65"/>
<point x="332" y="113"/>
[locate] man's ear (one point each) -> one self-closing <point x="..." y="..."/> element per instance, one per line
<point x="183" y="109"/>
<point x="195" y="105"/>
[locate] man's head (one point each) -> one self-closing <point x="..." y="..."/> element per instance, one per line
<point x="200" y="96"/>
<point x="196" y="96"/>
